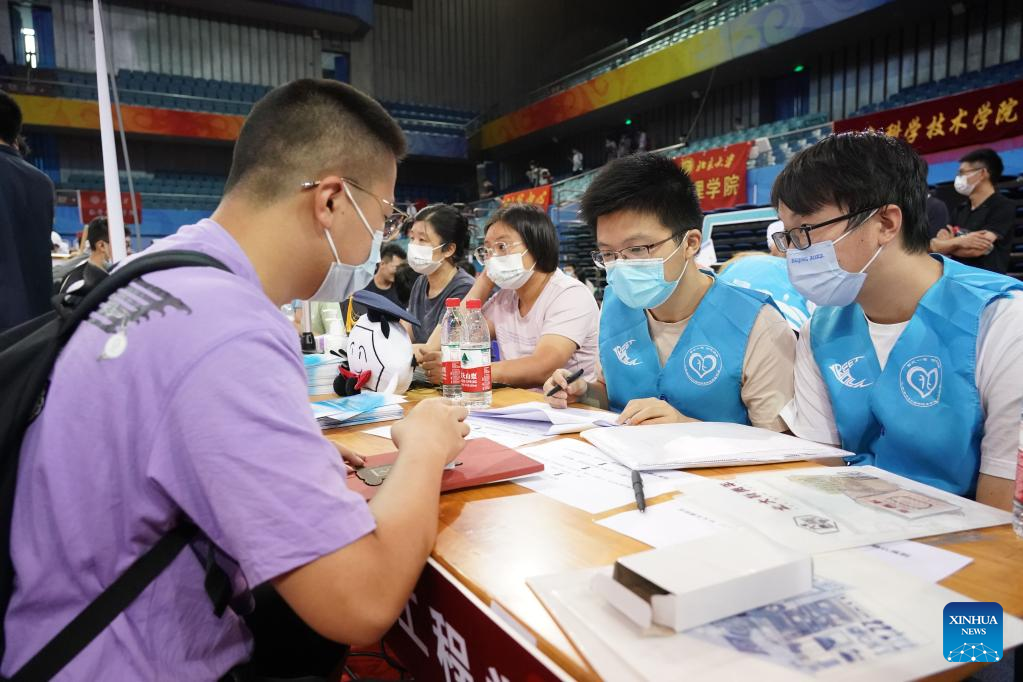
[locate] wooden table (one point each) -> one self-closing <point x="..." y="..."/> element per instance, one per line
<point x="492" y="538"/>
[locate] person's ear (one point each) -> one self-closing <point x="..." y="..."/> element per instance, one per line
<point x="890" y="221"/>
<point x="326" y="199"/>
<point x="447" y="251"/>
<point x="692" y="243"/>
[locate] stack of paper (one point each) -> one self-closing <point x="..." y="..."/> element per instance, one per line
<point x="320" y="371"/>
<point x="570" y="420"/>
<point x="364" y="408"/>
<point x="702" y="444"/>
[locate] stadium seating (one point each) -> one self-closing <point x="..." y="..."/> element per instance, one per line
<point x="971" y="80"/>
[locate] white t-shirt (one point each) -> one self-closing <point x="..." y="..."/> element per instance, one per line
<point x="999" y="379"/>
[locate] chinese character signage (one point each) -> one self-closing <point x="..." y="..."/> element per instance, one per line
<point x="969" y="118"/>
<point x="94" y="204"/>
<point x="541" y="196"/>
<point x="719" y="175"/>
<point x="443" y="635"/>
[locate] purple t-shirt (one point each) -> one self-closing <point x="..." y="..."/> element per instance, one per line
<point x="205" y="414"/>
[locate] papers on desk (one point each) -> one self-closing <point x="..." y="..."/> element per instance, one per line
<point x="568" y="420"/>
<point x="579" y="475"/>
<point x="826" y="509"/>
<point x="702" y="444"/>
<point x="862" y="621"/>
<point x="363" y="408"/>
<point x="668" y="523"/>
<point x="511" y="434"/>
<point x="932" y="564"/>
<point x="320" y="370"/>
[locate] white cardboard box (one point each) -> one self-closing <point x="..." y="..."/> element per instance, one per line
<point x="698" y="582"/>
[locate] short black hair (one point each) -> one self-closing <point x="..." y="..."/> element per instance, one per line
<point x="536" y="229"/>
<point x="450" y="225"/>
<point x="392" y="250"/>
<point x="309" y="128"/>
<point x="97" y="231"/>
<point x="859" y="171"/>
<point x="404" y="278"/>
<point x="645" y="183"/>
<point x="10" y="118"/>
<point x="988" y="158"/>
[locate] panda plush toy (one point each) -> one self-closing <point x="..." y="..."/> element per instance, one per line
<point x="380" y="356"/>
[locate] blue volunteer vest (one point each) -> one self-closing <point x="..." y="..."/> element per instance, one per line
<point x="921" y="416"/>
<point x="769" y="275"/>
<point x="703" y="375"/>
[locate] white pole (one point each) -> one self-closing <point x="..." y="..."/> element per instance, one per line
<point x="111" y="183"/>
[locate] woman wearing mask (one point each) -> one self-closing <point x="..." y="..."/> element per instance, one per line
<point x="676" y="344"/>
<point x="541" y="318"/>
<point x="438" y="241"/>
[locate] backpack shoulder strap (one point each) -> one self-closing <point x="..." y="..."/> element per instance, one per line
<point x="102" y="611"/>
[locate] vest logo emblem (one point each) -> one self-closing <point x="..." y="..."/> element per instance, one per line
<point x="920" y="381"/>
<point x="622" y="352"/>
<point x="844" y="375"/>
<point x="703" y="365"/>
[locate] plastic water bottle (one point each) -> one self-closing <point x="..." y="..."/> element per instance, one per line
<point x="451" y="350"/>
<point x="476" y="386"/>
<point x="1017" y="498"/>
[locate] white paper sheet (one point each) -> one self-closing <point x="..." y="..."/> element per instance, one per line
<point x="823" y="509"/>
<point x="509" y="433"/>
<point x="664" y="524"/>
<point x="579" y="475"/>
<point x="863" y="621"/>
<point x="702" y="444"/>
<point x="932" y="564"/>
<point x="568" y="420"/>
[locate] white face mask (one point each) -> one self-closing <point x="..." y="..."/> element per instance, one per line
<point x="508" y="272"/>
<point x="420" y="258"/>
<point x="343" y="280"/>
<point x="963" y="185"/>
<point x="816" y="274"/>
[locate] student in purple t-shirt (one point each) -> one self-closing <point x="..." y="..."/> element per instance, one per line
<point x="204" y="414"/>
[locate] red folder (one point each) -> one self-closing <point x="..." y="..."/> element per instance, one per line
<point x="482" y="461"/>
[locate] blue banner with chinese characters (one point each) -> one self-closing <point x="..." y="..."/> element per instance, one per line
<point x="969" y="118"/>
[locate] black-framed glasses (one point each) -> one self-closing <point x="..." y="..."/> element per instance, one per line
<point x="799" y="237"/>
<point x="395" y="216"/>
<point x="606" y="257"/>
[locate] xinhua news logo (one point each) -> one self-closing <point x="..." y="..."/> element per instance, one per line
<point x="973" y="632"/>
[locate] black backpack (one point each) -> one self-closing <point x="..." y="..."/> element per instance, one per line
<point x="28" y="353"/>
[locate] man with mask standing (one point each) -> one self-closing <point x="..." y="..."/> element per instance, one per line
<point x="911" y="361"/>
<point x="981" y="232"/>
<point x="676" y="344"/>
<point x="203" y="414"/>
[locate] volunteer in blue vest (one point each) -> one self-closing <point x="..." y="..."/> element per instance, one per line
<point x="675" y="344"/>
<point x="767" y="274"/>
<point x="912" y="361"/>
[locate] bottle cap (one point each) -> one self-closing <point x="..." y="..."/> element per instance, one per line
<point x="452" y="303"/>
<point x="473" y="304"/>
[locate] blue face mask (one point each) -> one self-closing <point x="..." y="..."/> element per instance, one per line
<point x="342" y="279"/>
<point x="639" y="283"/>
<point x="816" y="274"/>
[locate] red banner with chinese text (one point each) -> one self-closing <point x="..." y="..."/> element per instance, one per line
<point x="719" y="175"/>
<point x="94" y="204"/>
<point x="445" y="634"/>
<point x="541" y="196"/>
<point x="969" y="118"/>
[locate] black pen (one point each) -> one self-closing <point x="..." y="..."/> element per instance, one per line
<point x="637" y="487"/>
<point x="571" y="377"/>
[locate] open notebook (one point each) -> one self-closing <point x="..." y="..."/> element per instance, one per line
<point x="702" y="444"/>
<point x="570" y="420"/>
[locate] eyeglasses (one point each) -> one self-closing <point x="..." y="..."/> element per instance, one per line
<point x="799" y="237"/>
<point x="395" y="217"/>
<point x="484" y="253"/>
<point x="602" y="259"/>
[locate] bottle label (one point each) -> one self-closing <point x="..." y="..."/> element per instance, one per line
<point x="451" y="365"/>
<point x="475" y="368"/>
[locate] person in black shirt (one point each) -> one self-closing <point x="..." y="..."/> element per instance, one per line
<point x="981" y="232"/>
<point x="392" y="256"/>
<point x="26" y="220"/>
<point x="101" y="254"/>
